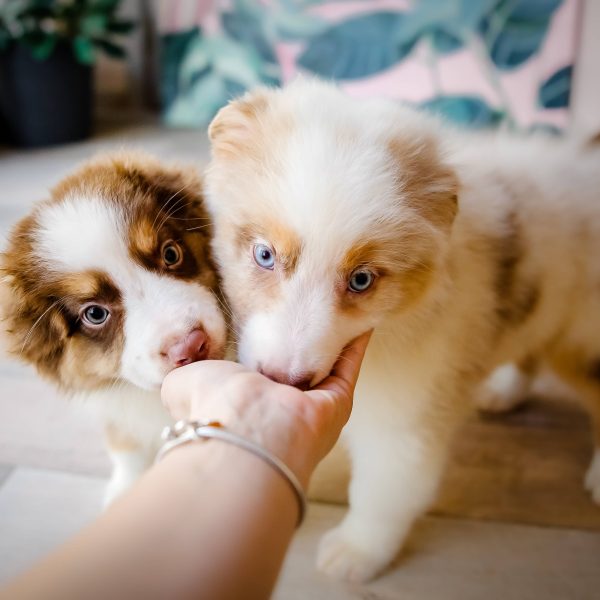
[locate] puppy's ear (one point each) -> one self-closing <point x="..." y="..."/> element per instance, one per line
<point x="233" y="131"/>
<point x="425" y="183"/>
<point x="32" y="327"/>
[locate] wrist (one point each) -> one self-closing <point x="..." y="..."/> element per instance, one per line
<point x="219" y="456"/>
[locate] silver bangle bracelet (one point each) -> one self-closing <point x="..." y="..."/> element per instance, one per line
<point x="184" y="432"/>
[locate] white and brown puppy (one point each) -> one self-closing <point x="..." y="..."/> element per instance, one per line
<point x="464" y="251"/>
<point x="107" y="286"/>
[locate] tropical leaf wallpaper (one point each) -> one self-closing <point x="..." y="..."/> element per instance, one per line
<point x="481" y="63"/>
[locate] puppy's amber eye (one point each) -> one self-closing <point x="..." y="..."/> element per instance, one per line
<point x="172" y="254"/>
<point x="94" y="315"/>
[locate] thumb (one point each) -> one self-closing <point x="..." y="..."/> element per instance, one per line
<point x="338" y="387"/>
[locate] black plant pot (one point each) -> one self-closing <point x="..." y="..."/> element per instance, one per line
<point x="44" y="102"/>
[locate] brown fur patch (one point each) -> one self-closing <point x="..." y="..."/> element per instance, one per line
<point x="425" y="183"/>
<point x="402" y="276"/>
<point x="173" y="209"/>
<point x="143" y="237"/>
<point x="517" y="298"/>
<point x="244" y="130"/>
<point x="594" y="370"/>
<point x="594" y="141"/>
<point x="529" y="365"/>
<point x="284" y="240"/>
<point x="231" y="131"/>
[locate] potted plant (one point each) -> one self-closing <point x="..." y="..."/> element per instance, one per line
<point x="47" y="52"/>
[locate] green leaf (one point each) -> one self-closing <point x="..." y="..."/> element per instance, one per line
<point x="173" y="49"/>
<point x="296" y="25"/>
<point x="120" y="26"/>
<point x="110" y="48"/>
<point x="445" y="42"/>
<point x="248" y="30"/>
<point x="5" y="39"/>
<point x="84" y="50"/>
<point x="40" y="44"/>
<point x="200" y="104"/>
<point x="105" y="6"/>
<point x="515" y="30"/>
<point x="447" y="24"/>
<point x="464" y="110"/>
<point x="93" y="24"/>
<point x="555" y="92"/>
<point x="359" y="47"/>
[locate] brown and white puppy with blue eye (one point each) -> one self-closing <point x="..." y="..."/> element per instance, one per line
<point x="107" y="286"/>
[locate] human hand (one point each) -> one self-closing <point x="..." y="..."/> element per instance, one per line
<point x="298" y="427"/>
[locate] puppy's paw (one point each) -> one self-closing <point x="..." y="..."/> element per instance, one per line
<point x="343" y="559"/>
<point x="491" y="401"/>
<point x="504" y="390"/>
<point x="592" y="477"/>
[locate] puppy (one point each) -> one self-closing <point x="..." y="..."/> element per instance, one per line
<point x="463" y="251"/>
<point x="107" y="286"/>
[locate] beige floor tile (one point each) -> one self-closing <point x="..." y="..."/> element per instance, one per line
<point x="5" y="471"/>
<point x="38" y="428"/>
<point x="38" y="510"/>
<point x="453" y="559"/>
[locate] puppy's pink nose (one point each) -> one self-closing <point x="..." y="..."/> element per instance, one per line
<point x="191" y="348"/>
<point x="300" y="380"/>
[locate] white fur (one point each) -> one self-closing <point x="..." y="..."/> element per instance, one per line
<point x="592" y="478"/>
<point x="504" y="389"/>
<point x="328" y="177"/>
<point x="127" y="467"/>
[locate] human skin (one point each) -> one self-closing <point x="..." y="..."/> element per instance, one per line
<point x="210" y="520"/>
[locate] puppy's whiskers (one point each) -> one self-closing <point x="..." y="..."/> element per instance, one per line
<point x="38" y="321"/>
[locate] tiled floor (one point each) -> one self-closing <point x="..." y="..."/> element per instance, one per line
<point x="53" y="467"/>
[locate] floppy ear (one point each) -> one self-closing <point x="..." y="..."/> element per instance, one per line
<point x="425" y="183"/>
<point x="232" y="131"/>
<point x="32" y="326"/>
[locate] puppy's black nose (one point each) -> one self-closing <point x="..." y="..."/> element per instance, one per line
<point x="299" y="380"/>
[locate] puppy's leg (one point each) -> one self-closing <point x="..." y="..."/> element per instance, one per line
<point x="398" y="443"/>
<point x="592" y="477"/>
<point x="130" y="459"/>
<point x="585" y="379"/>
<point x="507" y="386"/>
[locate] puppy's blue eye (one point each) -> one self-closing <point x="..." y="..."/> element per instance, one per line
<point x="264" y="256"/>
<point x="360" y="281"/>
<point x="95" y="315"/>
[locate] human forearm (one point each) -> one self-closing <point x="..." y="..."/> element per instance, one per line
<point x="211" y="520"/>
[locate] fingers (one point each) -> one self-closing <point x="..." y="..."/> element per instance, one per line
<point x="185" y="384"/>
<point x="338" y="388"/>
<point x="347" y="367"/>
